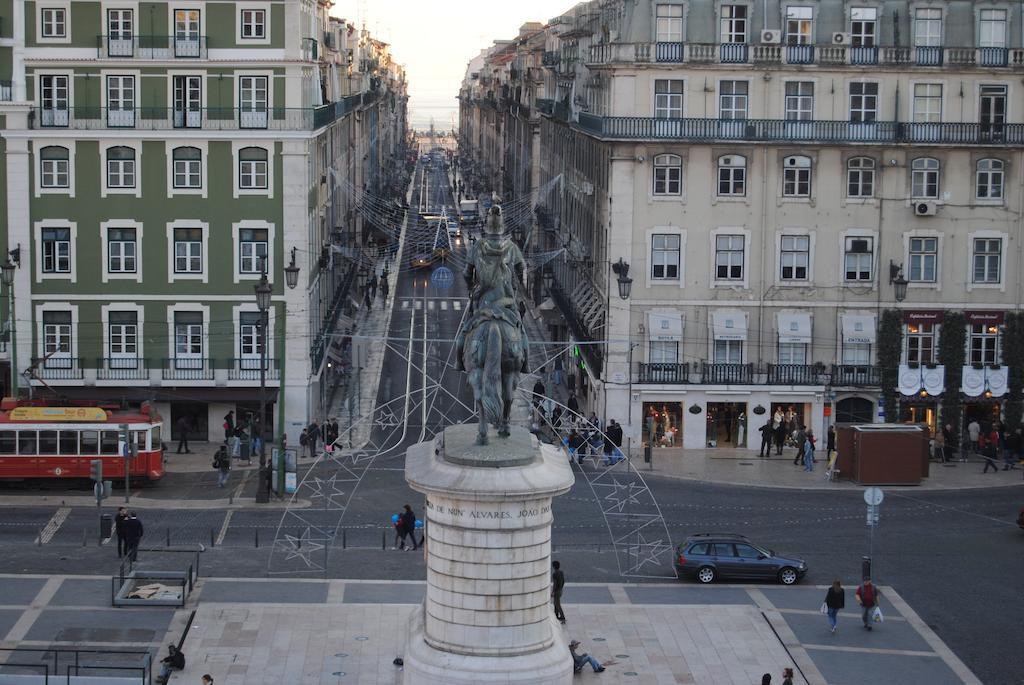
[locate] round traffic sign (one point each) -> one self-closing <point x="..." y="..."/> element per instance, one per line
<point x="874" y="496"/>
<point x="442" y="278"/>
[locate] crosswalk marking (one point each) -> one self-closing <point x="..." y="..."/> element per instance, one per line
<point x="444" y="305"/>
<point x="433" y="303"/>
<point x="52" y="526"/>
<point x="457" y="304"/>
<point x="405" y="304"/>
<point x="430" y="305"/>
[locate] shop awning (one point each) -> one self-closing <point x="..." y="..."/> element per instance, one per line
<point x="859" y="328"/>
<point x="795" y="327"/>
<point x="665" y="326"/>
<point x="729" y="324"/>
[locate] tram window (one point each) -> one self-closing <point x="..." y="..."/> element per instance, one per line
<point x="8" y="442"/>
<point x="139" y="439"/>
<point x="108" y="442"/>
<point x="26" y="442"/>
<point x="47" y="442"/>
<point x="90" y="442"/>
<point x="69" y="442"/>
<point x="156" y="437"/>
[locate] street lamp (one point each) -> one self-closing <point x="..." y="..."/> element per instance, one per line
<point x="621" y="270"/>
<point x="264" y="291"/>
<point x="7" y="276"/>
<point x="899" y="283"/>
<point x="291" y="273"/>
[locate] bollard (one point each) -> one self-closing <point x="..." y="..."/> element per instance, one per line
<point x="256" y="534"/>
<point x="213" y="541"/>
<point x="344" y="538"/>
<point x="231" y="498"/>
<point x="168" y="537"/>
<point x="83" y="538"/>
<point x="39" y="538"/>
<point x="383" y="540"/>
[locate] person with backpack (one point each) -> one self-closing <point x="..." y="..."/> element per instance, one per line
<point x="222" y="463"/>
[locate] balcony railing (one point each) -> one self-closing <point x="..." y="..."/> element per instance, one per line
<point x="668" y="52"/>
<point x="151" y="47"/>
<point x="796" y="374"/>
<point x="56" y="368"/>
<point x="122" y="369"/>
<point x="248" y="369"/>
<point x="550" y="58"/>
<point x="545" y="106"/>
<point x="727" y="373"/>
<point x="818" y="132"/>
<point x="6" y="91"/>
<point x="855" y="375"/>
<point x="667" y="373"/>
<point x="187" y="369"/>
<point x="168" y="118"/>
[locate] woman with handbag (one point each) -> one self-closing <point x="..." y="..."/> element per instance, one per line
<point x="835" y="599"/>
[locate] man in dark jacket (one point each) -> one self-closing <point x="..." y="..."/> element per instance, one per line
<point x="409" y="526"/>
<point x="183" y="425"/>
<point x="133" y="533"/>
<point x="229" y="425"/>
<point x="800" y="438"/>
<point x="119" y="520"/>
<point x="573" y="405"/>
<point x="612" y="442"/>
<point x="767" y="433"/>
<point x="557" y="585"/>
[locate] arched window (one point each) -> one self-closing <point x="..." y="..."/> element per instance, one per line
<point x="796" y="176"/>
<point x="924" y="178"/>
<point x="860" y="177"/>
<point x="120" y="167"/>
<point x="188" y="164"/>
<point x="252" y="168"/>
<point x="990" y="179"/>
<point x="668" y="175"/>
<point x="732" y="176"/>
<point x="54" y="167"/>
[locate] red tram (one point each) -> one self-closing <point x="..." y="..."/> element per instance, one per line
<point x="60" y="442"/>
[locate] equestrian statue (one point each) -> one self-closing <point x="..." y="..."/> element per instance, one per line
<point x="492" y="345"/>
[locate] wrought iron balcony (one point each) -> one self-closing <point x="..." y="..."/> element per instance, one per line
<point x="855" y="375"/>
<point x="668" y="52"/>
<point x="545" y="106"/>
<point x="122" y="369"/>
<point x="168" y="118"/>
<point x="796" y="374"/>
<point x="125" y="46"/>
<point x="550" y="59"/>
<point x="56" y="368"/>
<point x="725" y="374"/>
<point x="248" y="369"/>
<point x="663" y="373"/>
<point x="789" y="131"/>
<point x="187" y="369"/>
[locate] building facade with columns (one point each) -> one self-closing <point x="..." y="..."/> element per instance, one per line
<point x="160" y="157"/>
<point x="776" y="176"/>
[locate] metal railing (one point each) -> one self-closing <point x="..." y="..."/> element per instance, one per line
<point x="122" y="369"/>
<point x="550" y="58"/>
<point x="856" y="375"/>
<point x="727" y="373"/>
<point x="168" y="118"/>
<point x="666" y="373"/>
<point x="248" y="369"/>
<point x="187" y="369"/>
<point x="668" y="52"/>
<point x="118" y="46"/>
<point x="64" y="665"/>
<point x="785" y="130"/>
<point x="795" y="374"/>
<point x="56" y="368"/>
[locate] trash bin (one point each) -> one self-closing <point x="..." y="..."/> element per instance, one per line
<point x="244" y="450"/>
<point x="106" y="525"/>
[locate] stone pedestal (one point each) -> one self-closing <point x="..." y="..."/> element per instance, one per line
<point x="487" y="615"/>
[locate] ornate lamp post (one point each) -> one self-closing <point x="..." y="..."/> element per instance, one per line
<point x="7" y="276"/>
<point x="264" y="291"/>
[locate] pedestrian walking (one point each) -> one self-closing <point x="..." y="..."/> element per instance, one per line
<point x="557" y="585"/>
<point x="183" y="425"/>
<point x="973" y="434"/>
<point x="373" y="286"/>
<point x="313" y="437"/>
<point x="948" y="441"/>
<point x="222" y="463"/>
<point x="133" y="532"/>
<point x="867" y="596"/>
<point x="367" y="301"/>
<point x="988" y="443"/>
<point x="767" y="432"/>
<point x="612" y="443"/>
<point x="1011" y="449"/>
<point x="122" y="543"/>
<point x="799" y="437"/>
<point x="835" y="599"/>
<point x="830" y="443"/>
<point x="581" y="660"/>
<point x="808" y="451"/>
<point x="384" y="288"/>
<point x="539" y="392"/>
<point x="409" y="524"/>
<point x="576" y="444"/>
<point x="573" y="405"/>
<point x="558" y="371"/>
<point x="766" y="679"/>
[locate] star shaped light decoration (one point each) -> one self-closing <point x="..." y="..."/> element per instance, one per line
<point x="301" y="547"/>
<point x="327" y="490"/>
<point x="387" y="419"/>
<point x="645" y="551"/>
<point x="621" y="495"/>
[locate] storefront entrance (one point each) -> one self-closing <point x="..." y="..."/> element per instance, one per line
<point x="919" y="412"/>
<point x="663" y="424"/>
<point x="726" y="424"/>
<point x="985" y="412"/>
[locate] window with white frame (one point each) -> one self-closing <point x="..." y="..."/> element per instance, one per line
<point x="928" y="27"/>
<point x="54" y="22"/>
<point x="922" y="343"/>
<point x="983" y="340"/>
<point x="732" y="100"/>
<point x="122" y="334"/>
<point x="792" y="353"/>
<point x="856" y="354"/>
<point x="252" y="250"/>
<point x="924" y="260"/>
<point x="863" y="26"/>
<point x="668" y="98"/>
<point x="924" y="178"/>
<point x="795" y="257"/>
<point x="799" y="100"/>
<point x="121" y="250"/>
<point x="858" y="259"/>
<point x="188" y="334"/>
<point x="188" y="167"/>
<point x="54" y="167"/>
<point x="860" y="177"/>
<point x="56" y="250"/>
<point x="987" y="260"/>
<point x="250" y="342"/>
<point x="665" y="256"/>
<point x="120" y="167"/>
<point x="254" y="23"/>
<point x="927" y="103"/>
<point x="663" y="352"/>
<point x="729" y="256"/>
<point x="668" y="174"/>
<point x="669" y="23"/>
<point x="734" y="24"/>
<point x="796" y="176"/>
<point x="863" y="101"/>
<point x="188" y="250"/>
<point x="992" y="28"/>
<point x="732" y="176"/>
<point x="799" y="25"/>
<point x="252" y="168"/>
<point x="57" y="339"/>
<point x="728" y="352"/>
<point x="989" y="185"/>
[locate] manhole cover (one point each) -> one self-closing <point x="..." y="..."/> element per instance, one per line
<point x="361" y="638"/>
<point x="621" y="656"/>
<point x="597" y="639"/>
<point x="338" y="673"/>
<point x="633" y="673"/>
<point x="342" y="654"/>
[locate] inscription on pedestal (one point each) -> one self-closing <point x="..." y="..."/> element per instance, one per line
<point x="460" y="512"/>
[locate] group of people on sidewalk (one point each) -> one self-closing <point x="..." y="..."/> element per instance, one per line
<point x="802" y="438"/>
<point x="867" y="596"/>
<point x="993" y="442"/>
<point x="581" y="436"/>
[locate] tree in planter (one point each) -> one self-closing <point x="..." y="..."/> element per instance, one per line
<point x="952" y="353"/>
<point x="890" y="349"/>
<point x="1013" y="359"/>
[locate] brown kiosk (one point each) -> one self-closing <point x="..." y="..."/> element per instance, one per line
<point x="882" y="453"/>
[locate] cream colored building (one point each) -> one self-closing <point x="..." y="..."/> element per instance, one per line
<point x="767" y="170"/>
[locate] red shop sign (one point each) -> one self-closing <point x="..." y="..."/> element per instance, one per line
<point x="923" y="316"/>
<point x="992" y="318"/>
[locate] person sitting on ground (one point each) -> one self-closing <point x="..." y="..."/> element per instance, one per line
<point x="581" y="660"/>
<point x="174" y="661"/>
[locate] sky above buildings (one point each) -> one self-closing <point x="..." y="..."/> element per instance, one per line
<point x="435" y="40"/>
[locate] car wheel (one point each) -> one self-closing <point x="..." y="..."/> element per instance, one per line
<point x="706" y="574"/>
<point x="788" y="576"/>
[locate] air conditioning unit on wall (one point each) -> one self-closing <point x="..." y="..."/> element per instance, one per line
<point x="771" y="36"/>
<point x="925" y="208"/>
<point x="840" y="38"/>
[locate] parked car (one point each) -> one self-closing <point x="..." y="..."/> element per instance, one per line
<point x="710" y="556"/>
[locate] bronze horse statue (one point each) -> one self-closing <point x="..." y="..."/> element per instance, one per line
<point x="492" y="344"/>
